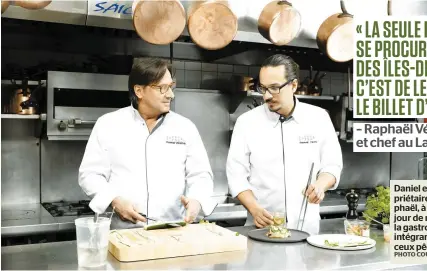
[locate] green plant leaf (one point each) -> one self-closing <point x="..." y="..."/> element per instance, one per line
<point x="378" y="205"/>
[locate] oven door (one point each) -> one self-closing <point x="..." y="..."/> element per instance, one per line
<point x="76" y="100"/>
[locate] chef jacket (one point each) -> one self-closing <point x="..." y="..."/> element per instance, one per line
<point x="151" y="170"/>
<point x="273" y="159"/>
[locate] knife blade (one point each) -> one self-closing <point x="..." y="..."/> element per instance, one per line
<point x="148" y="218"/>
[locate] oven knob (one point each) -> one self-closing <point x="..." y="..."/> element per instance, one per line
<point x="62" y="126"/>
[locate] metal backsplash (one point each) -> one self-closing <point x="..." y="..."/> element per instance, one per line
<point x="364" y="170"/>
<point x="60" y="162"/>
<point x="208" y="110"/>
<point x="405" y="165"/>
<point x="20" y="162"/>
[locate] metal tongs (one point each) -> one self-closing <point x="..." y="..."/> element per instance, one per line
<point x="304" y="201"/>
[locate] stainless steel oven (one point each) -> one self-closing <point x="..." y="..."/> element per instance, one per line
<point x="76" y="100"/>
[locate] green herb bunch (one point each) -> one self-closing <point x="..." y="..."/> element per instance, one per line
<point x="378" y="205"/>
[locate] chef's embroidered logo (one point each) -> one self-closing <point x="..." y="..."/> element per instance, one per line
<point x="175" y="140"/>
<point x="307" y="139"/>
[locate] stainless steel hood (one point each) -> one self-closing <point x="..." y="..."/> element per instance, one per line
<point x="118" y="14"/>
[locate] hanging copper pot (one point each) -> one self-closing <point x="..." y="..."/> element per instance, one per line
<point x="212" y="25"/>
<point x="335" y="36"/>
<point x="31" y="4"/>
<point x="4" y="5"/>
<point x="158" y="22"/>
<point x="279" y="22"/>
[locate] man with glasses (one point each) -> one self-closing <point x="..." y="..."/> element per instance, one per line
<point x="273" y="147"/>
<point x="147" y="162"/>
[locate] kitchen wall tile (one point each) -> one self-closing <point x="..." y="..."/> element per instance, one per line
<point x="240" y="74"/>
<point x="179" y="65"/>
<point x="209" y="80"/>
<point x="193" y="79"/>
<point x="180" y="78"/>
<point x="337" y="76"/>
<point x="240" y="69"/>
<point x="224" y="75"/>
<point x="338" y="83"/>
<point x="225" y="68"/>
<point x="224" y="80"/>
<point x="326" y="84"/>
<point x="193" y="66"/>
<point x="209" y="67"/>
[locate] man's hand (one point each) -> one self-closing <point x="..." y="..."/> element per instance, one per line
<point x="315" y="193"/>
<point x="262" y="218"/>
<point x="126" y="210"/>
<point x="193" y="208"/>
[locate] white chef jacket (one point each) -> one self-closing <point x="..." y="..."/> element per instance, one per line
<point x="255" y="159"/>
<point x="151" y="170"/>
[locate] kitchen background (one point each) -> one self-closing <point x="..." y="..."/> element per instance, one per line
<point x="41" y="169"/>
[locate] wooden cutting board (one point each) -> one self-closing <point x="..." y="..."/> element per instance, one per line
<point x="194" y="239"/>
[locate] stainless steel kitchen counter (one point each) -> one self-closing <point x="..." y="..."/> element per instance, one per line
<point x="258" y="256"/>
<point x="23" y="219"/>
<point x="27" y="219"/>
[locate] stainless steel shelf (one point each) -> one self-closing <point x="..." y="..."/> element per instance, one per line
<point x="17" y="116"/>
<point x="19" y="82"/>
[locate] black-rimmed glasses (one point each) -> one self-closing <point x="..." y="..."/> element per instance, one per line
<point x="164" y="88"/>
<point x="272" y="89"/>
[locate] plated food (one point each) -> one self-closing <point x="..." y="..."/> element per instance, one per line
<point x="357" y="227"/>
<point x="278" y="229"/>
<point x="278" y="232"/>
<point x="341" y="242"/>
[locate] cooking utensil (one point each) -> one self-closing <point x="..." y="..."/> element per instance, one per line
<point x="148" y="218"/>
<point x="17" y="99"/>
<point x="212" y="24"/>
<point x="158" y="22"/>
<point x="20" y="100"/>
<point x="304" y="201"/>
<point x="296" y="236"/>
<point x="279" y="22"/>
<point x="4" y="5"/>
<point x="335" y="36"/>
<point x="30" y="4"/>
<point x="243" y="83"/>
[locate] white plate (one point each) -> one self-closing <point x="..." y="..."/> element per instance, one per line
<point x="342" y="239"/>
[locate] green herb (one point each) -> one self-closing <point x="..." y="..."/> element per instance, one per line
<point x="331" y="244"/>
<point x="164" y="225"/>
<point x="350" y="244"/>
<point x="378" y="205"/>
<point x="237" y="234"/>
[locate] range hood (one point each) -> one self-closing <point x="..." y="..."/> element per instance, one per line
<point x="118" y="14"/>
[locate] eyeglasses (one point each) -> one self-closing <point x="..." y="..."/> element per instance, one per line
<point x="164" y="88"/>
<point x="273" y="89"/>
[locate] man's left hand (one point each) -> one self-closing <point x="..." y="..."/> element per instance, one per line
<point x="193" y="208"/>
<point x="315" y="193"/>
